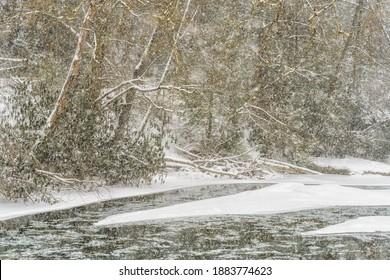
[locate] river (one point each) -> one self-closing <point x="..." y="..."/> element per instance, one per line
<point x="70" y="234"/>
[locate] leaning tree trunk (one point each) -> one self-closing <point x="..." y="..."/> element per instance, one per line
<point x="154" y="46"/>
<point x="95" y="82"/>
<point x="73" y="73"/>
<point x="356" y="25"/>
<point x="129" y="99"/>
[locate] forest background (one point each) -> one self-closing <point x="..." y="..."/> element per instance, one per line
<point x="100" y="92"/>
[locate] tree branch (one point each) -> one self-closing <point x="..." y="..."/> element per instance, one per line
<point x="13" y="59"/>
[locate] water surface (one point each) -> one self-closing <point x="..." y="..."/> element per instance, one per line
<point x="70" y="234"/>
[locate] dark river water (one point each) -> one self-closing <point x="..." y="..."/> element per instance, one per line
<point x="70" y="234"/>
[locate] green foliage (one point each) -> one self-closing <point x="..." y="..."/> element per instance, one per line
<point x="27" y="106"/>
<point x="210" y="124"/>
<point x="80" y="150"/>
<point x="293" y="78"/>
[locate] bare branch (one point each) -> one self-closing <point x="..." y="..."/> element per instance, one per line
<point x="13" y="59"/>
<point x="227" y="158"/>
<point x="145" y="120"/>
<point x="192" y="19"/>
<point x="268" y="114"/>
<point x="289" y="165"/>
<point x="60" y="178"/>
<point x="140" y="88"/>
<point x="175" y="40"/>
<point x="114" y="89"/>
<point x="380" y="21"/>
<point x="146" y="51"/>
<point x="123" y="92"/>
<point x="202" y="168"/>
<point x="156" y="106"/>
<point x="10" y="68"/>
<point x="187" y="152"/>
<point x="316" y="14"/>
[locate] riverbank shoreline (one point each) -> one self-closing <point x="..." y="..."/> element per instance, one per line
<point x="176" y="180"/>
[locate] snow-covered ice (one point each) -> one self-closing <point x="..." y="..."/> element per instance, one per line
<point x="353" y="165"/>
<point x="69" y="199"/>
<point x="290" y="193"/>
<point x="359" y="225"/>
<point x="279" y="198"/>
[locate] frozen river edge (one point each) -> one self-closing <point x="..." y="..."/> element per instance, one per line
<point x="290" y="193"/>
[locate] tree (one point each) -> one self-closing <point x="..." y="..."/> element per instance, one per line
<point x="100" y="88"/>
<point x="76" y="143"/>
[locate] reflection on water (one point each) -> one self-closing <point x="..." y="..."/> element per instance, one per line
<point x="71" y="235"/>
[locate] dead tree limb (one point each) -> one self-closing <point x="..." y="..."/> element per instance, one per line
<point x="202" y="168"/>
<point x="237" y="166"/>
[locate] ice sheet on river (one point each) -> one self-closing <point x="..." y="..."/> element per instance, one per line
<point x="359" y="225"/>
<point x="279" y="198"/>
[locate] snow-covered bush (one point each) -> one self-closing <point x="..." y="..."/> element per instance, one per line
<point x="80" y="152"/>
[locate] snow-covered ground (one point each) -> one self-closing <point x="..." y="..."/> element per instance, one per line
<point x="290" y="193"/>
<point x="353" y="165"/>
